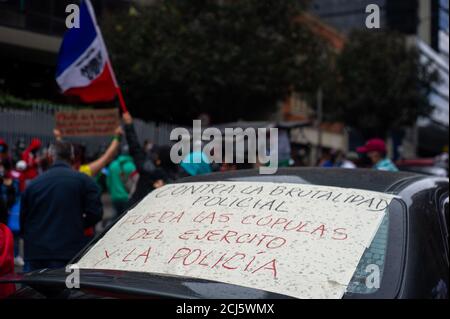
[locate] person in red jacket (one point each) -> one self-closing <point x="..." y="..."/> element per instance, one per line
<point x="6" y="252"/>
<point x="31" y="159"/>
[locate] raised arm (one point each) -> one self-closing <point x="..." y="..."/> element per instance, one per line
<point x="111" y="152"/>
<point x="136" y="151"/>
<point x="57" y="134"/>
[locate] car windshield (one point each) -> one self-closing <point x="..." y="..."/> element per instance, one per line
<point x="367" y="275"/>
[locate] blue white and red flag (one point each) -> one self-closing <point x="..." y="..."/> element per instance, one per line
<point x="84" y="68"/>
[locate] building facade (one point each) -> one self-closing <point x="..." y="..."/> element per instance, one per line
<point x="426" y="24"/>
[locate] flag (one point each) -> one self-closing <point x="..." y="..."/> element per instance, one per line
<point x="84" y="68"/>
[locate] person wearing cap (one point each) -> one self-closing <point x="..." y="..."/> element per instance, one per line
<point x="376" y="151"/>
<point x="30" y="156"/>
<point x="18" y="178"/>
<point x="18" y="174"/>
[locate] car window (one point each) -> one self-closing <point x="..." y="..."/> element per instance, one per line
<point x="372" y="263"/>
<point x="443" y="210"/>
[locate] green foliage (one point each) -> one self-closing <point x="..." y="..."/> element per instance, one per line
<point x="379" y="84"/>
<point x="230" y="59"/>
<point x="10" y="101"/>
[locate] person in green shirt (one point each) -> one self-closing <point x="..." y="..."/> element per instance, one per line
<point x="376" y="150"/>
<point x="121" y="173"/>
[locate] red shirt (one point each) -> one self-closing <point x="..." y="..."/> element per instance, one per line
<point x="31" y="160"/>
<point x="6" y="259"/>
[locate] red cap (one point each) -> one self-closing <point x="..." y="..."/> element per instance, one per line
<point x="373" y="145"/>
<point x="35" y="143"/>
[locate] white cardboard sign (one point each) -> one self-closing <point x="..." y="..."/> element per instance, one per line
<point x="303" y="241"/>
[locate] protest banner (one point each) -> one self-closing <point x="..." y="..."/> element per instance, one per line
<point x="87" y="122"/>
<point x="303" y="241"/>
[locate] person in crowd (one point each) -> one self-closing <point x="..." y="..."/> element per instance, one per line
<point x="8" y="196"/>
<point x="164" y="162"/>
<point x="44" y="159"/>
<point x="55" y="209"/>
<point x="19" y="174"/>
<point x="284" y="148"/>
<point x="15" y="184"/>
<point x="148" y="145"/>
<point x="196" y="163"/>
<point x="3" y="211"/>
<point x="6" y="251"/>
<point x="376" y="151"/>
<point x="31" y="158"/>
<point x="119" y="181"/>
<point x="340" y="160"/>
<point x="151" y="176"/>
<point x="18" y="149"/>
<point x="7" y="189"/>
<point x="94" y="167"/>
<point x="326" y="159"/>
<point x="5" y="158"/>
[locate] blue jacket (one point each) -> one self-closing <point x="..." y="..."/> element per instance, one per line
<point x="56" y="208"/>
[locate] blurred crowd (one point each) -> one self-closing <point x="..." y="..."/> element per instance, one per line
<point x="50" y="196"/>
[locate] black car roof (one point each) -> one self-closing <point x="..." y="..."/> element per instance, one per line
<point x="367" y="179"/>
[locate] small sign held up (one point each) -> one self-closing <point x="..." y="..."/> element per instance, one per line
<point x="87" y="122"/>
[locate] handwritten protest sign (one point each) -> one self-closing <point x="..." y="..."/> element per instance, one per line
<point x="298" y="240"/>
<point x="87" y="122"/>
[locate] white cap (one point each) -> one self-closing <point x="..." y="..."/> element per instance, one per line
<point x="21" y="165"/>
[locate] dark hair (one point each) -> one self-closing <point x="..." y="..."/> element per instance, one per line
<point x="163" y="154"/>
<point x="62" y="151"/>
<point x="79" y="151"/>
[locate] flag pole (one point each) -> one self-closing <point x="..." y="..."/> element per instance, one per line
<point x="123" y="105"/>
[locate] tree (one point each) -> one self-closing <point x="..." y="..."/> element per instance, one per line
<point x="378" y="84"/>
<point x="230" y="59"/>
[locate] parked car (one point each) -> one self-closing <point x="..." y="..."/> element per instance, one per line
<point x="427" y="166"/>
<point x="410" y="246"/>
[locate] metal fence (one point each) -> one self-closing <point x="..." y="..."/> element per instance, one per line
<point x="39" y="122"/>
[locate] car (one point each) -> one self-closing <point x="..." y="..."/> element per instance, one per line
<point x="410" y="246"/>
<point x="427" y="166"/>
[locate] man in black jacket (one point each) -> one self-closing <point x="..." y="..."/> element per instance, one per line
<point x="55" y="209"/>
